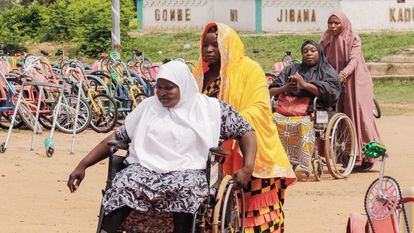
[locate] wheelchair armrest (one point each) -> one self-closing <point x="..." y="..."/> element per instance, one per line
<point x="118" y="145"/>
<point x="116" y="165"/>
<point x="218" y="151"/>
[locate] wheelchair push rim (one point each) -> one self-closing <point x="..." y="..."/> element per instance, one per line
<point x="225" y="220"/>
<point x="340" y="146"/>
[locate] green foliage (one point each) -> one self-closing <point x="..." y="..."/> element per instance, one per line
<point x="377" y="45"/>
<point x="87" y="22"/>
<point x="57" y="22"/>
<point x="159" y="46"/>
<point x="92" y="25"/>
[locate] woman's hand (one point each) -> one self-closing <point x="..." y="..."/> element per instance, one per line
<point x="242" y="177"/>
<point x="289" y="88"/>
<point x="297" y="80"/>
<point x="76" y="177"/>
<point x="342" y="77"/>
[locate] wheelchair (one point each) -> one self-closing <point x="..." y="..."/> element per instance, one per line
<point x="222" y="211"/>
<point x="335" y="133"/>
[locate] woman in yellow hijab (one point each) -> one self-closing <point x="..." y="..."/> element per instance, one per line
<point x="223" y="71"/>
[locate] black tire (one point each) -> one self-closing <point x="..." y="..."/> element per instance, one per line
<point x="104" y="120"/>
<point x="5" y="120"/>
<point x="46" y="121"/>
<point x="317" y="168"/>
<point x="377" y="109"/>
<point x="66" y="116"/>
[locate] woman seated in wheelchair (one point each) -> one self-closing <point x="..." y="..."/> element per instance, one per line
<point x="169" y="137"/>
<point x="295" y="88"/>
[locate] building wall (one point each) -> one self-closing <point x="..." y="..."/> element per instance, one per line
<point x="375" y="15"/>
<point x="296" y="16"/>
<point x="276" y="15"/>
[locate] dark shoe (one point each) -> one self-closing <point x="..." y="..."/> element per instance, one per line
<point x="365" y="167"/>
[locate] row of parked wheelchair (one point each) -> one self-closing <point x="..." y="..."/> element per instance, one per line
<point x="71" y="96"/>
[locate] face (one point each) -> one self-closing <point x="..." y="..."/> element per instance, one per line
<point x="167" y="92"/>
<point x="310" y="55"/>
<point x="334" y="25"/>
<point x="211" y="53"/>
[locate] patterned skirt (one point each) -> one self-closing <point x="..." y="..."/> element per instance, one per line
<point x="264" y="205"/>
<point x="298" y="138"/>
<point x="264" y="197"/>
<point x="148" y="191"/>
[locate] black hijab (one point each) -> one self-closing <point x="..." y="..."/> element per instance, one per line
<point x="322" y="75"/>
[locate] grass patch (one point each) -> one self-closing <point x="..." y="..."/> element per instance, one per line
<point x="159" y="46"/>
<point x="394" y="91"/>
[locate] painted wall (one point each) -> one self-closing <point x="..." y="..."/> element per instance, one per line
<point x="275" y="15"/>
<point x="240" y="15"/>
<point x="297" y="16"/>
<point x="373" y="15"/>
<point x="176" y="14"/>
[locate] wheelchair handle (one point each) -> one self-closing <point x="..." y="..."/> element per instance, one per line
<point x="118" y="144"/>
<point x="314" y="104"/>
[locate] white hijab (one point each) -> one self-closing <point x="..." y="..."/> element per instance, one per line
<point x="173" y="139"/>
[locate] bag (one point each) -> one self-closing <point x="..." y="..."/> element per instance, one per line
<point x="292" y="106"/>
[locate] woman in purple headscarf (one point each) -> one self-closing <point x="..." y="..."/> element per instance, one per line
<point x="342" y="48"/>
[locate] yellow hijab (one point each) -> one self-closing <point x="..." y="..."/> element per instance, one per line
<point x="243" y="86"/>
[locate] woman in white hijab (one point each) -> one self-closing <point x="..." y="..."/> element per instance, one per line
<point x="169" y="137"/>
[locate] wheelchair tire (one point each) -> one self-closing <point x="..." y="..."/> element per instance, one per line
<point x="377" y="109"/>
<point x="340" y="146"/>
<point x="317" y="166"/>
<point x="226" y="216"/>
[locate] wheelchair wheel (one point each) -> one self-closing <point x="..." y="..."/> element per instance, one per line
<point x="229" y="210"/>
<point x="66" y="117"/>
<point x="104" y="114"/>
<point x="340" y="146"/>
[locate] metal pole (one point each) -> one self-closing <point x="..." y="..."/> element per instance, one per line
<point x="116" y="32"/>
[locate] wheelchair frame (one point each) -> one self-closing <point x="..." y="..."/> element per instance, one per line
<point x="222" y="212"/>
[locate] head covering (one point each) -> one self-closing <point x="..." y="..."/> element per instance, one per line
<point x="338" y="48"/>
<point x="322" y="66"/>
<point x="322" y="75"/>
<point x="231" y="51"/>
<point x="243" y="86"/>
<point x="177" y="138"/>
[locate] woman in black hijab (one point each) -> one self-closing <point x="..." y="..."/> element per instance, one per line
<point x="314" y="77"/>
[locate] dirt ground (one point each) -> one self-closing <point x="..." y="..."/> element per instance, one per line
<point x="34" y="197"/>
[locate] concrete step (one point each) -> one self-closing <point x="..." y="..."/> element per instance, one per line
<point x="402" y="58"/>
<point x="383" y="68"/>
<point x="397" y="77"/>
<point x="409" y="51"/>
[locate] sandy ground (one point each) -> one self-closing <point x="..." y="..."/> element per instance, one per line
<point x="34" y="196"/>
